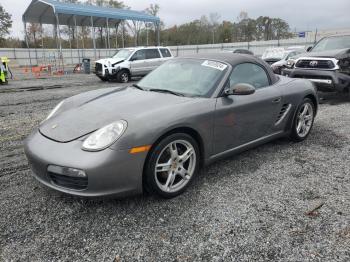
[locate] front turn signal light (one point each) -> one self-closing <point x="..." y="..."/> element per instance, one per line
<point x="139" y="149"/>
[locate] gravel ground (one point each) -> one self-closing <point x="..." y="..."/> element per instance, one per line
<point x="254" y="206"/>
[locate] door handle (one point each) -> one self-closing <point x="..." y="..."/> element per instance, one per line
<point x="276" y="100"/>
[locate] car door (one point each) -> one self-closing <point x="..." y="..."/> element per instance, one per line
<point x="153" y="59"/>
<point x="138" y="66"/>
<point x="240" y="119"/>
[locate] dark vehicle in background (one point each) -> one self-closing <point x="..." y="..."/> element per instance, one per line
<point x="327" y="64"/>
<point x="243" y="51"/>
<point x="240" y="51"/>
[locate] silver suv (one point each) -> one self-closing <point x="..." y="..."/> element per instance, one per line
<point x="128" y="62"/>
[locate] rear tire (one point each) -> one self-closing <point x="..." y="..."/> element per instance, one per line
<point x="303" y="121"/>
<point x="123" y="76"/>
<point x="172" y="165"/>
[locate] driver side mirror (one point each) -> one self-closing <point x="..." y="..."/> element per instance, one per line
<point x="240" y="89"/>
<point x="309" y="48"/>
<point x="133" y="59"/>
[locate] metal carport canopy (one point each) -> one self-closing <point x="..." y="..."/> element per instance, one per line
<point x="45" y="11"/>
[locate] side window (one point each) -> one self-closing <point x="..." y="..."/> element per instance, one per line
<point x="152" y="53"/>
<point x="165" y="52"/>
<point x="249" y="73"/>
<point x="139" y="55"/>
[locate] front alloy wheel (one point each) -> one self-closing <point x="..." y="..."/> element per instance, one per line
<point x="303" y="121"/>
<point x="123" y="76"/>
<point x="172" y="165"/>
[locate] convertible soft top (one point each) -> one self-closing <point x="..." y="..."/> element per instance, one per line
<point x="234" y="59"/>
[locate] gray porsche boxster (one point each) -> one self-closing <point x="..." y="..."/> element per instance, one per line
<point x="155" y="135"/>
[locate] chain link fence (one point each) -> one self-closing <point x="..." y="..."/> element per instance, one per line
<point x="41" y="57"/>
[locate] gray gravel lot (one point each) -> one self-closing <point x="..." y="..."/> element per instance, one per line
<point x="254" y="206"/>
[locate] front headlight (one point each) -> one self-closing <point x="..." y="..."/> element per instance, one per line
<point x="105" y="136"/>
<point x="344" y="66"/>
<point x="54" y="110"/>
<point x="290" y="63"/>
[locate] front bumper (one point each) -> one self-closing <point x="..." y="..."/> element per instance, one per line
<point x="106" y="73"/>
<point x="99" y="73"/>
<point x="323" y="79"/>
<point x="109" y="172"/>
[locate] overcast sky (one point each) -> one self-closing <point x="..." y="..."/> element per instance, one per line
<point x="300" y="14"/>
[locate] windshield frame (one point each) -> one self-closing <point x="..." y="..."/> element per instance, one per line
<point x="216" y="87"/>
<point x="325" y="38"/>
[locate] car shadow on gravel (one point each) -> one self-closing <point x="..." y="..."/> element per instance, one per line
<point x="133" y="80"/>
<point x="235" y="167"/>
<point x="333" y="98"/>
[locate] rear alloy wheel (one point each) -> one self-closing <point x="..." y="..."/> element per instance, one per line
<point x="172" y="165"/>
<point x="123" y="76"/>
<point x="303" y="121"/>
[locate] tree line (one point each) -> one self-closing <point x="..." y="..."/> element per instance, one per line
<point x="207" y="29"/>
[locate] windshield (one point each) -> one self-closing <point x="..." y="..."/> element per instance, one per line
<point x="286" y="55"/>
<point x="123" y="54"/>
<point x="290" y="54"/>
<point x="331" y="43"/>
<point x="277" y="53"/>
<point x="190" y="77"/>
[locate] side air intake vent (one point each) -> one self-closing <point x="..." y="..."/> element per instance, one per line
<point x="282" y="114"/>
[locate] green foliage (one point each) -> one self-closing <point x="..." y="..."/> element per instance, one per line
<point x="5" y="24"/>
<point x="153" y="9"/>
<point x="116" y="4"/>
<point x="205" y="31"/>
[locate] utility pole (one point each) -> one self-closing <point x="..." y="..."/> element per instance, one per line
<point x="146" y="24"/>
<point x="315" y="36"/>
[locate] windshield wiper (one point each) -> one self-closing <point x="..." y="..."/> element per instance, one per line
<point x="138" y="87"/>
<point x="165" y="91"/>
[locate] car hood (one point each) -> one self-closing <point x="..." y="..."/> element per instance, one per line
<point x="87" y="112"/>
<point x="336" y="53"/>
<point x="105" y="61"/>
<point x="280" y="63"/>
<point x="271" y="60"/>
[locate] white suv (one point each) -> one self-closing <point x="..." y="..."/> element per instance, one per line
<point x="128" y="62"/>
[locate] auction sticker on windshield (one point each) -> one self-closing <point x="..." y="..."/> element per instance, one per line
<point x="214" y="64"/>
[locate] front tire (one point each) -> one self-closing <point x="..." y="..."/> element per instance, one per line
<point x="172" y="165"/>
<point x="104" y="79"/>
<point x="123" y="76"/>
<point x="303" y="121"/>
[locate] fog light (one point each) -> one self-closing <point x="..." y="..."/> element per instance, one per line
<point x="66" y="171"/>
